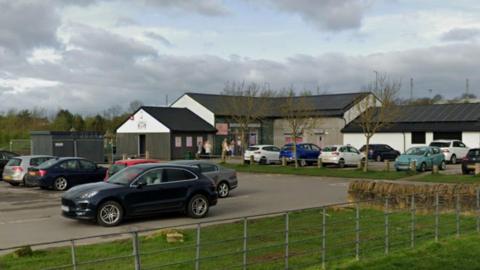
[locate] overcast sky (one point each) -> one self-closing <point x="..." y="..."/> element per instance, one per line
<point x="90" y="56"/>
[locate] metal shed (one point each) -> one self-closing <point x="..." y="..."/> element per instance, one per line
<point x="86" y="144"/>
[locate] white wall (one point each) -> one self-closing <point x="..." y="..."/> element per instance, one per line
<point x="471" y="139"/>
<point x="142" y="122"/>
<point x="360" y="107"/>
<point x="187" y="102"/>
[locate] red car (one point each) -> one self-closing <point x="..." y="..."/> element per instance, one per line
<point x="120" y="164"/>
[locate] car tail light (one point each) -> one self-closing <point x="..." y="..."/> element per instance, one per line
<point x="17" y="169"/>
<point x="335" y="153"/>
<point x="42" y="172"/>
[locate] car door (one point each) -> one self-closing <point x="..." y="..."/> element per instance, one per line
<point x="176" y="183"/>
<point x="274" y="154"/>
<point x="71" y="170"/>
<point x="353" y="157"/>
<point x="344" y="154"/>
<point x="89" y="171"/>
<point x="145" y="195"/>
<point x="430" y="158"/>
<point x="438" y="156"/>
<point x="462" y="149"/>
<point x="315" y="151"/>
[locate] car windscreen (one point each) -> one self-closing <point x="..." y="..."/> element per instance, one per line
<point x="329" y="149"/>
<point x="440" y="144"/>
<point x="416" y="151"/>
<point x="474" y="153"/>
<point x="48" y="163"/>
<point x="252" y="148"/>
<point x="14" y="162"/>
<point x="115" y="168"/>
<point x="125" y="176"/>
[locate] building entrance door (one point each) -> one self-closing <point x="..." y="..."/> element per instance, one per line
<point x="141" y="145"/>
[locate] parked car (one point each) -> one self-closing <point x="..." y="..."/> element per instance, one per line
<point x="263" y="154"/>
<point x="141" y="190"/>
<point x="425" y="158"/>
<point x="453" y="150"/>
<point x="5" y="156"/>
<point x="341" y="155"/>
<point x="121" y="164"/>
<point x="468" y="162"/>
<point x="64" y="173"/>
<point x="380" y="152"/>
<point x="17" y="167"/>
<point x="225" y="179"/>
<point x="307" y="153"/>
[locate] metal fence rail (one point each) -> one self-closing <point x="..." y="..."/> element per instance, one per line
<point x="293" y="239"/>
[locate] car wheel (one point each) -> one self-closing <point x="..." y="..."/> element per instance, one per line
<point x="423" y="167"/>
<point x="262" y="161"/>
<point x="197" y="206"/>
<point x="443" y="166"/>
<point x="465" y="172"/>
<point x="379" y="158"/>
<point x="341" y="163"/>
<point x="303" y="163"/>
<point x="60" y="184"/>
<point x="453" y="159"/>
<point x="109" y="214"/>
<point x="223" y="190"/>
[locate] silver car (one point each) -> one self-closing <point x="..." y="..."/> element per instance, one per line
<point x="225" y="179"/>
<point x="17" y="167"/>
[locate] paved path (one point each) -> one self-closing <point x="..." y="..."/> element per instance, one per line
<point x="31" y="215"/>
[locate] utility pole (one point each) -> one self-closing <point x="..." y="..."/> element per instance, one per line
<point x="411" y="89"/>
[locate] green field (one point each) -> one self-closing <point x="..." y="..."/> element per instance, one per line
<point x="461" y="253"/>
<point x="222" y="245"/>
<point x="313" y="171"/>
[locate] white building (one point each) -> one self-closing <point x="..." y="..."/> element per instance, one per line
<point x="421" y="124"/>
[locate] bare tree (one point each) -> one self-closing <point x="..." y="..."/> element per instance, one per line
<point x="378" y="109"/>
<point x="297" y="112"/>
<point x="246" y="104"/>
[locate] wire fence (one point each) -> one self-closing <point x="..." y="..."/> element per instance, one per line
<point x="326" y="236"/>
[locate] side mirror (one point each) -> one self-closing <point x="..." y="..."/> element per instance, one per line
<point x="140" y="185"/>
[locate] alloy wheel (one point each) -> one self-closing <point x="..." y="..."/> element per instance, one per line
<point x="199" y="206"/>
<point x="223" y="190"/>
<point x="109" y="214"/>
<point x="61" y="183"/>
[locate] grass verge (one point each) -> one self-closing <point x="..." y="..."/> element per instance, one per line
<point x="313" y="171"/>
<point x="222" y="244"/>
<point x="448" y="178"/>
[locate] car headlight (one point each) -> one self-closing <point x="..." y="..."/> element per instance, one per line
<point x="88" y="194"/>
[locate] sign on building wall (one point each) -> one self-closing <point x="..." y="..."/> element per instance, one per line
<point x="222" y="128"/>
<point x="288" y="139"/>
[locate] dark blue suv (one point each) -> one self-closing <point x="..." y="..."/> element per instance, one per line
<point x="307" y="153"/>
<point x="63" y="173"/>
<point x="142" y="190"/>
<point x="380" y="152"/>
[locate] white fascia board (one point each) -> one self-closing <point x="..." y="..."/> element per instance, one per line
<point x="187" y="102"/>
<point x="142" y="122"/>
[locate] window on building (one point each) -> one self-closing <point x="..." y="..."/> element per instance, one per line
<point x="178" y="141"/>
<point x="418" y="138"/>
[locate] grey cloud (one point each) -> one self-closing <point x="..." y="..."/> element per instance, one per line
<point x="125" y="21"/>
<point x="330" y="15"/>
<point x="204" y="7"/>
<point x="159" y="37"/>
<point x="27" y="24"/>
<point x="461" y="34"/>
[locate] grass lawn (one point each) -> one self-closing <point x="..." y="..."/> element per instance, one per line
<point x="461" y="253"/>
<point x="313" y="171"/>
<point x="221" y="245"/>
<point x="448" y="178"/>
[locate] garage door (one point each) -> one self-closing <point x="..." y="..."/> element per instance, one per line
<point x="447" y="136"/>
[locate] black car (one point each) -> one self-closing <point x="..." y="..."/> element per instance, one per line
<point x="141" y="190"/>
<point x="380" y="152"/>
<point x="63" y="173"/>
<point x="468" y="162"/>
<point x="5" y="156"/>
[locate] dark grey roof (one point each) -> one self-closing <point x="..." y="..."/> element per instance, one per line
<point x="437" y="117"/>
<point x="325" y="105"/>
<point x="179" y="119"/>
